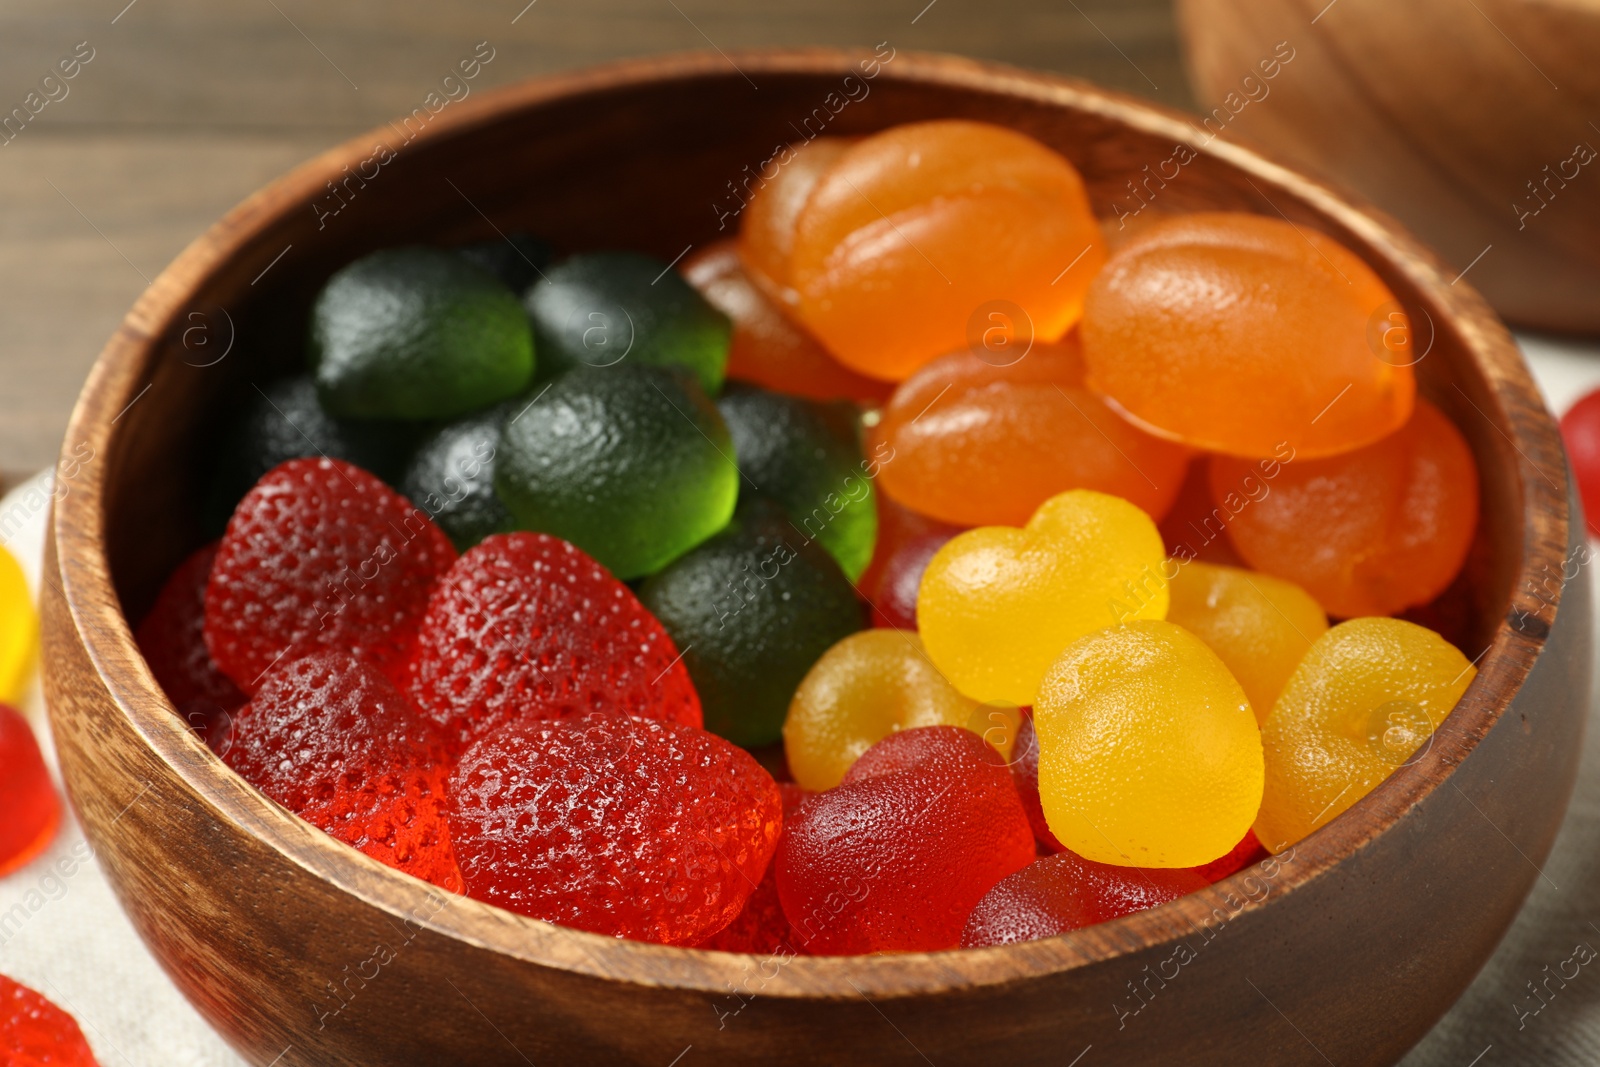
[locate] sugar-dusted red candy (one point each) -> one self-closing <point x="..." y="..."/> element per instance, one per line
<point x="526" y="624"/>
<point x="1025" y="770"/>
<point x="34" y="1032"/>
<point x="173" y="640"/>
<point x="30" y="810"/>
<point x="1065" y="892"/>
<point x="761" y="927"/>
<point x="621" y="825"/>
<point x="320" y="554"/>
<point x="906" y="542"/>
<point x="329" y="737"/>
<point x="894" y="858"/>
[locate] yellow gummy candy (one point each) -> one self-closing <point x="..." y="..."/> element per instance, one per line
<point x="866" y="687"/>
<point x="1362" y="702"/>
<point x="1258" y="625"/>
<point x="19" y="630"/>
<point x="998" y="604"/>
<point x="1149" y="754"/>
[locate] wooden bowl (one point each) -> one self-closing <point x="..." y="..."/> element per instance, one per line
<point x="1445" y="114"/>
<point x="301" y="951"/>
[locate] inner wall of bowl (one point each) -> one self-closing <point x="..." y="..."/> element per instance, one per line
<point x="657" y="168"/>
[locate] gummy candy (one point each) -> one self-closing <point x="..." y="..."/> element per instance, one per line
<point x="807" y="456"/>
<point x="895" y="857"/>
<point x="1369" y="532"/>
<point x="517" y="259"/>
<point x="1235" y="333"/>
<point x="632" y="464"/>
<point x="1149" y="755"/>
<point x="768" y="348"/>
<point x="320" y="554"/>
<point x="978" y="444"/>
<point x="1195" y="528"/>
<point x="1259" y="626"/>
<point x="624" y="826"/>
<point x="896" y="258"/>
<point x="998" y="604"/>
<point x="417" y="333"/>
<point x="1025" y="774"/>
<point x="19" y="630"/>
<point x="766" y="232"/>
<point x="752" y="609"/>
<point x="172" y="639"/>
<point x="600" y="309"/>
<point x="36" y="1033"/>
<point x="1580" y="430"/>
<point x="330" y="738"/>
<point x="866" y="687"/>
<point x="527" y="626"/>
<point x="1362" y="703"/>
<point x="27" y="795"/>
<point x="905" y="544"/>
<point x="761" y="927"/>
<point x="1066" y="892"/>
<point x="451" y="477"/>
<point x="1246" y="853"/>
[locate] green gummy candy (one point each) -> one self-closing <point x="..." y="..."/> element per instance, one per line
<point x="604" y="309"/>
<point x="417" y="333"/>
<point x="806" y="455"/>
<point x="752" y="609"/>
<point x="632" y="464"/>
<point x="451" y="477"/>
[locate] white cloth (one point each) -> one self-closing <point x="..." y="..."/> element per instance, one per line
<point x="77" y="948"/>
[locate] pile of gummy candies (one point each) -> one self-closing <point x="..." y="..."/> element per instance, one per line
<point x="1020" y="534"/>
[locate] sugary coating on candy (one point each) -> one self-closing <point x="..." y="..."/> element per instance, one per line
<point x="1370" y="532"/>
<point x="34" y="1032"/>
<point x="173" y="641"/>
<point x="896" y="258"/>
<point x="998" y="604"/>
<point x="767" y="225"/>
<point x="330" y="738"/>
<point x="1234" y="333"/>
<point x="319" y="555"/>
<point x="1258" y="625"/>
<point x="980" y="444"/>
<point x="761" y="927"/>
<point x="624" y="826"/>
<point x="526" y="625"/>
<point x="19" y="629"/>
<point x="28" y="799"/>
<point x="866" y="687"/>
<point x="1025" y="773"/>
<point x="1149" y="755"/>
<point x="1363" y="702"/>
<point x="894" y="858"/>
<point x="1066" y="892"/>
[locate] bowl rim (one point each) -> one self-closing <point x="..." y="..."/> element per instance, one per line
<point x="124" y="367"/>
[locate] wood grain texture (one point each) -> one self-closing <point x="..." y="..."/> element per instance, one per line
<point x="1344" y="953"/>
<point x="1460" y="119"/>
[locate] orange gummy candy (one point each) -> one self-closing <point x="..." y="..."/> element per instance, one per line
<point x="1367" y="533"/>
<point x="1236" y="334"/>
<point x="768" y="348"/>
<point x="766" y="232"/>
<point x="928" y="232"/>
<point x="982" y="445"/>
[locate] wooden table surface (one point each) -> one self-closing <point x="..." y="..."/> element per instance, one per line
<point x="188" y="105"/>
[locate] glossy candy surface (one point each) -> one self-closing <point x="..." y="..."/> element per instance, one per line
<point x="1580" y="431"/>
<point x="34" y="1032"/>
<point x="1149" y="755"/>
<point x="172" y="639"/>
<point x="330" y="738"/>
<point x="1233" y="333"/>
<point x="451" y="477"/>
<point x="624" y="826"/>
<point x="896" y="254"/>
<point x="27" y="795"/>
<point x="319" y="555"/>
<point x="894" y="858"/>
<point x="1370" y="532"/>
<point x="630" y="463"/>
<point x="19" y="630"/>
<point x="1259" y="626"/>
<point x="527" y="626"/>
<point x="767" y="225"/>
<point x="1025" y="773"/>
<point x="1364" y="702"/>
<point x="866" y="687"/>
<point x="998" y="604"/>
<point x="905" y="545"/>
<point x="761" y="927"/>
<point x="980" y="444"/>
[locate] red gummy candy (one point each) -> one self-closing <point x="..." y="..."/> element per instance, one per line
<point x="36" y="1033"/>
<point x="1580" y="429"/>
<point x="625" y="826"/>
<point x="30" y="810"/>
<point x="330" y="738"/>
<point x="1247" y="853"/>
<point x="1065" y="892"/>
<point x="894" y="858"/>
<point x="526" y="624"/>
<point x="172" y="638"/>
<point x="906" y="542"/>
<point x="761" y="927"/>
<point x="1025" y="770"/>
<point x="320" y="554"/>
